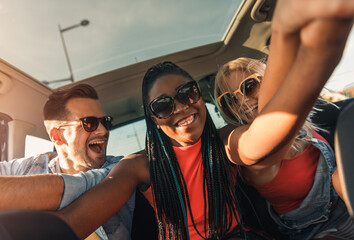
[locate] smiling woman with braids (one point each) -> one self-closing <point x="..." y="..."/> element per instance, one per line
<point x="188" y="166"/>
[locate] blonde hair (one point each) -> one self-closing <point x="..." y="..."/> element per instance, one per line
<point x="245" y="66"/>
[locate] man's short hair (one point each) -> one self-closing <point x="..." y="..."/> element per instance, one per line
<point x="55" y="107"/>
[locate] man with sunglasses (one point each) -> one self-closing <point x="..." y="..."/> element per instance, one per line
<point x="79" y="129"/>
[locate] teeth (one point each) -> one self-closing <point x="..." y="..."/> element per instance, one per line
<point x="251" y="109"/>
<point x="186" y="121"/>
<point x="98" y="142"/>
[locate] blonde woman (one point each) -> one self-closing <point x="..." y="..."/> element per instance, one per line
<point x="298" y="186"/>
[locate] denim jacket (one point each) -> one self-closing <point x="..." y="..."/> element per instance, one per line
<point x="305" y="221"/>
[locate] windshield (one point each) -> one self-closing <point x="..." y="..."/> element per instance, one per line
<point x="57" y="42"/>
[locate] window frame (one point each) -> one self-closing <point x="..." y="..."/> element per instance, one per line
<point x="4" y="136"/>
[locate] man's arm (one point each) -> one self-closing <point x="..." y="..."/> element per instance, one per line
<point x="42" y="192"/>
<point x="45" y="191"/>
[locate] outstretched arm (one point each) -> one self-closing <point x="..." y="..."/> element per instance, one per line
<point x="101" y="202"/>
<point x="41" y="192"/>
<point x="289" y="28"/>
<point x="315" y="49"/>
<point x="46" y="191"/>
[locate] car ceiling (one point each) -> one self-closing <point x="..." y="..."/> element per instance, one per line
<point x="120" y="90"/>
<point x="248" y="35"/>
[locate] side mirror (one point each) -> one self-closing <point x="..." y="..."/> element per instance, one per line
<point x="344" y="148"/>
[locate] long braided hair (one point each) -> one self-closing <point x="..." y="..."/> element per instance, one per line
<point x="168" y="185"/>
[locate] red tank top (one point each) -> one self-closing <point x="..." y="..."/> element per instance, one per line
<point x="190" y="162"/>
<point x="293" y="181"/>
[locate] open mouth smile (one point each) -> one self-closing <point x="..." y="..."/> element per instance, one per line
<point x="97" y="145"/>
<point x="250" y="110"/>
<point x="186" y="121"/>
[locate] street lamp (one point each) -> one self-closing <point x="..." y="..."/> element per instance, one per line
<point x="61" y="30"/>
<point x="82" y="23"/>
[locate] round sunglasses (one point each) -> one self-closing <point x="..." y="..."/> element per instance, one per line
<point x="164" y="106"/>
<point x="248" y="87"/>
<point x="90" y="124"/>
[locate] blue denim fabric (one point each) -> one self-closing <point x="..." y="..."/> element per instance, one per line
<point x="304" y="222"/>
<point x="77" y="184"/>
<point x="39" y="164"/>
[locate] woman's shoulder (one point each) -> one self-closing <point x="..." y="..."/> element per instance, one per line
<point x="137" y="156"/>
<point x="136" y="165"/>
<point x="138" y="159"/>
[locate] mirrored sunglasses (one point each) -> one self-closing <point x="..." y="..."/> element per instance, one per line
<point x="164" y="106"/>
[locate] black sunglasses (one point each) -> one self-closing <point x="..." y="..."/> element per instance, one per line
<point x="90" y="124"/>
<point x="248" y="87"/>
<point x="164" y="106"/>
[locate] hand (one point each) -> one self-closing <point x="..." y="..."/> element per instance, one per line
<point x="291" y="15"/>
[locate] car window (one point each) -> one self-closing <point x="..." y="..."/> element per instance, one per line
<point x="130" y="138"/>
<point x="35" y="145"/>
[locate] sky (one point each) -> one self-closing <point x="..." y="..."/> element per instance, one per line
<point x="120" y="33"/>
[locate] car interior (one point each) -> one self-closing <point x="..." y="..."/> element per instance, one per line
<point x="245" y="32"/>
<point x="344" y="153"/>
<point x="23" y="96"/>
